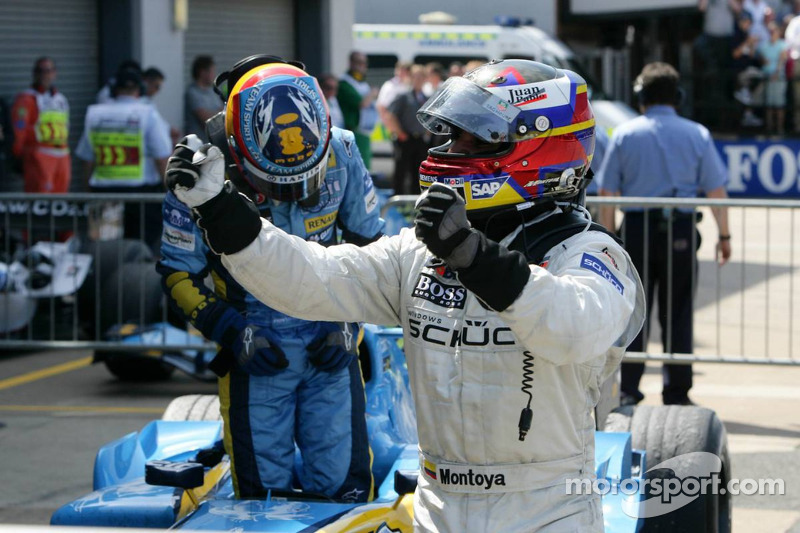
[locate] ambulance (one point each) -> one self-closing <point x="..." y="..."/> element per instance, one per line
<point x="386" y="44"/>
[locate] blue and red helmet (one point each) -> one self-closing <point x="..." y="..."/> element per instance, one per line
<point x="537" y="122"/>
<point x="278" y="126"/>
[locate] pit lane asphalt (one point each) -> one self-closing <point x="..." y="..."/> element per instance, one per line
<point x="56" y="410"/>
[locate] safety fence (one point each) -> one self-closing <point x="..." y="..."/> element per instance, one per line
<point x="745" y="310"/>
<point x="77" y="271"/>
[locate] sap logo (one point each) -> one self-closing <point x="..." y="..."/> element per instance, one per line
<point x="472" y="333"/>
<point x="441" y="294"/>
<point x="484" y="189"/>
<point x="592" y="263"/>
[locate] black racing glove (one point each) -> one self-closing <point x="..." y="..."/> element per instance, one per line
<point x="256" y="354"/>
<point x="441" y="223"/>
<point x="335" y="351"/>
<point x="494" y="274"/>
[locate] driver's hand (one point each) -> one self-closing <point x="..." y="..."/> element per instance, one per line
<point x="195" y="171"/>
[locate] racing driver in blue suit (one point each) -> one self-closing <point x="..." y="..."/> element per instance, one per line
<point x="283" y="381"/>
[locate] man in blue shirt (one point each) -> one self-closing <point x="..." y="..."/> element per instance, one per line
<point x="283" y="381"/>
<point x="660" y="154"/>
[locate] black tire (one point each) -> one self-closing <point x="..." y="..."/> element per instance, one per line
<point x="194" y="407"/>
<point x="107" y="258"/>
<point x="140" y="301"/>
<point x="128" y="367"/>
<point x="664" y="432"/>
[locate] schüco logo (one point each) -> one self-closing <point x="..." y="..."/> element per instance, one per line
<point x="594" y="264"/>
<point x="472" y="333"/>
<point x="441" y="294"/>
<point x="485" y="189"/>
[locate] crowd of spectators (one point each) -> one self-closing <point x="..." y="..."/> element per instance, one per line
<point x="749" y="52"/>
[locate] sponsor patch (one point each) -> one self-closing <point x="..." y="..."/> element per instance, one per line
<point x="179" y="219"/>
<point x="441" y="330"/>
<point x="526" y="95"/>
<point x="438" y="293"/>
<point x="370" y="201"/>
<point x="348" y="146"/>
<point x="485" y="189"/>
<point x="594" y="264"/>
<point x="177" y="238"/>
<point x="610" y="258"/>
<point x="321" y="222"/>
<point x="453" y="182"/>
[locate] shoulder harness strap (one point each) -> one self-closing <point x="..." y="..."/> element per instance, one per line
<point x="552" y="231"/>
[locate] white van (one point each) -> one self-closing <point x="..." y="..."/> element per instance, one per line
<point x="386" y="44"/>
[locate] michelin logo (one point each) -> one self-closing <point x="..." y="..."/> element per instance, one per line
<point x="485" y="189"/>
<point x="594" y="264"/>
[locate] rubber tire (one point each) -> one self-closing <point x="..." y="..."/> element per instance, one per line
<point x="193" y="407"/>
<point x="136" y="279"/>
<point x="107" y="257"/>
<point x="129" y="367"/>
<point x="668" y="431"/>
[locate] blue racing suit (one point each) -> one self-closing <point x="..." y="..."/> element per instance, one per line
<point x="322" y="412"/>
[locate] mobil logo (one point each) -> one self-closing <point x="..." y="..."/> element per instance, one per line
<point x="483" y="189"/>
<point x="760" y="168"/>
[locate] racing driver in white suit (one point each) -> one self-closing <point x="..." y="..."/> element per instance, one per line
<point x="515" y="306"/>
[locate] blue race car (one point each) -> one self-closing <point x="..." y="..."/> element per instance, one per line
<point x="173" y="473"/>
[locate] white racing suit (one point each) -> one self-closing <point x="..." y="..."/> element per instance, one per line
<point x="574" y="316"/>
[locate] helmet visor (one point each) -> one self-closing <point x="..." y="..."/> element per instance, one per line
<point x="461" y="103"/>
<point x="287" y="188"/>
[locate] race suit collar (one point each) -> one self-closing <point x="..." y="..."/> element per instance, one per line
<point x="660" y="110"/>
<point x="356" y="75"/>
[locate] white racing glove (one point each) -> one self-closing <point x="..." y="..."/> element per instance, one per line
<point x="195" y="171"/>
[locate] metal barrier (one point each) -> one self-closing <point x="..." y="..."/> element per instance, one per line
<point x="99" y="289"/>
<point x="744" y="310"/>
<point x="75" y="273"/>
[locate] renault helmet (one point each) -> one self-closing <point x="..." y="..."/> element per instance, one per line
<point x="278" y="128"/>
<point x="535" y="121"/>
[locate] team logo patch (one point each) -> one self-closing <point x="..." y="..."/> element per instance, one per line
<point x="594" y="264"/>
<point x="177" y="238"/>
<point x="441" y="294"/>
<point x="486" y="189"/>
<point x="321" y="222"/>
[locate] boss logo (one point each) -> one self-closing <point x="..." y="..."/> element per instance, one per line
<point x="441" y="294"/>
